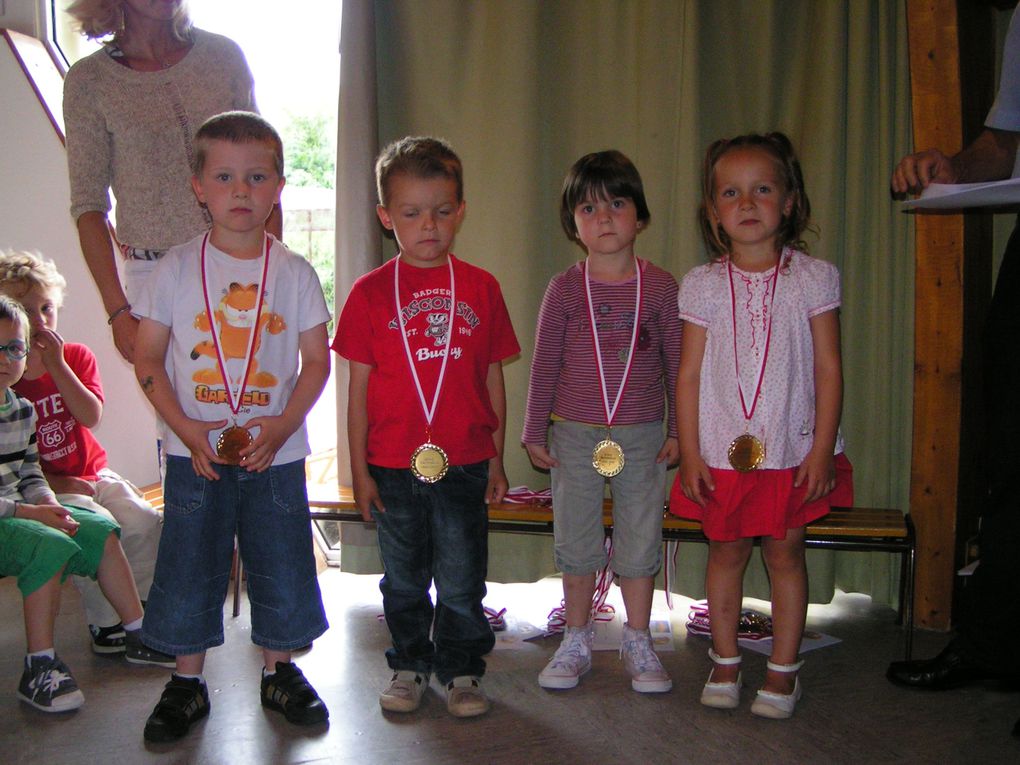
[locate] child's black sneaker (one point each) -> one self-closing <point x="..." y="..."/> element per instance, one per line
<point x="136" y="652"/>
<point x="184" y="701"/>
<point x="287" y="691"/>
<point x="107" y="640"/>
<point x="47" y="685"/>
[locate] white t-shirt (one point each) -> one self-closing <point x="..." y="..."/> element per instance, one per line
<point x="784" y="415"/>
<point x="293" y="303"/>
<point x="1005" y="112"/>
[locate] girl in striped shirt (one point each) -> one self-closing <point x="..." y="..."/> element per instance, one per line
<point x="607" y="349"/>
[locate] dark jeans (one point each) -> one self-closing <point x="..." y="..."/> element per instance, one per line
<point x="435" y="532"/>
<point x="990" y="622"/>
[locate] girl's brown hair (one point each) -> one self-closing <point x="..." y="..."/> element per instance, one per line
<point x="601" y="175"/>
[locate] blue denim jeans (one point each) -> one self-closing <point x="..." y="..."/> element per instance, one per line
<point x="268" y="512"/>
<point x="435" y="532"/>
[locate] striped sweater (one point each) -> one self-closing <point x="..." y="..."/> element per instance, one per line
<point x="564" y="375"/>
<point x="21" y="477"/>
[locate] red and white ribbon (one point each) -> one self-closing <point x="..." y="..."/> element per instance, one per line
<point x="234" y="398"/>
<point x="611" y="411"/>
<point x="749" y="413"/>
<point x="429" y="411"/>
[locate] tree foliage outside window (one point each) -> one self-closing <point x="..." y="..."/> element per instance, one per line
<point x="310" y="151"/>
<point x="310" y="158"/>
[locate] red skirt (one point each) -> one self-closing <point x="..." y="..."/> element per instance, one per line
<point x="760" y="502"/>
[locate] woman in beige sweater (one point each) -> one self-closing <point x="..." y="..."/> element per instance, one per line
<point x="131" y="110"/>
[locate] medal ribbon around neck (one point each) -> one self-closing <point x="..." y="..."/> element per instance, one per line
<point x="611" y="411"/>
<point x="748" y="415"/>
<point x="232" y="402"/>
<point x="429" y="411"/>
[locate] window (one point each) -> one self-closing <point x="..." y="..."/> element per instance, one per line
<point x="292" y="49"/>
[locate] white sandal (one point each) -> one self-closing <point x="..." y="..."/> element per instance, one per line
<point x="722" y="695"/>
<point x="778" y="706"/>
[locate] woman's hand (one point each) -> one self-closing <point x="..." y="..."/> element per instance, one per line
<point x="125" y="329"/>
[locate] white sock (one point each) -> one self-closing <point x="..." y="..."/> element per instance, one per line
<point x="133" y="626"/>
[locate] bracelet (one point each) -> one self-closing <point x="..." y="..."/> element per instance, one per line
<point x="118" y="312"/>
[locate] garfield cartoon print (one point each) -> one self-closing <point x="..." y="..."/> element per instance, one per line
<point x="236" y="317"/>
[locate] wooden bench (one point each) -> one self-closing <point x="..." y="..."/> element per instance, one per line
<point x="858" y="529"/>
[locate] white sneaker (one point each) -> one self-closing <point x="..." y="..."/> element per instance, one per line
<point x="465" y="697"/>
<point x="571" y="660"/>
<point x="646" y="672"/>
<point x="404" y="691"/>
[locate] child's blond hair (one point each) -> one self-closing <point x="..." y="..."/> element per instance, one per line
<point x="20" y="271"/>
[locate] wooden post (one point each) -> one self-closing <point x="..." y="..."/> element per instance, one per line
<point x="938" y="315"/>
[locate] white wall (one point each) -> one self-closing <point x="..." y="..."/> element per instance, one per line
<point x="34" y="205"/>
<point x="23" y="15"/>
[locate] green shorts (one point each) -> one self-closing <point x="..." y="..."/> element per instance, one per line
<point x="34" y="552"/>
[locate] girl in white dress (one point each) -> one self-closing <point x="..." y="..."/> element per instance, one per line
<point x="759" y="393"/>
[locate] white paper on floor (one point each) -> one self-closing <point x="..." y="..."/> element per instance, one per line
<point x="517" y="632"/>
<point x="609" y="635"/>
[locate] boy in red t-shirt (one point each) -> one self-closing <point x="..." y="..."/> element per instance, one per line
<point x="426" y="334"/>
<point x="62" y="381"/>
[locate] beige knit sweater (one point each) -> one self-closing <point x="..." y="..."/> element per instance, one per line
<point x="132" y="132"/>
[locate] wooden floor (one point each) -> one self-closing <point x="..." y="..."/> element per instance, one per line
<point x="850" y="713"/>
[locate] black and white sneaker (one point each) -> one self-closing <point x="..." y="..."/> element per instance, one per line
<point x="47" y="684"/>
<point x="107" y="640"/>
<point x="136" y="652"/>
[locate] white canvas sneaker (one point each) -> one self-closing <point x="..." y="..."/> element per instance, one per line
<point x="571" y="660"/>
<point x="646" y="672"/>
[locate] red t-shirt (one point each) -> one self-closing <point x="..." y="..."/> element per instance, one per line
<point x="369" y="332"/>
<point x="66" y="447"/>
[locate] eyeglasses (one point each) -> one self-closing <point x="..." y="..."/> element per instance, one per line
<point x="16" y="350"/>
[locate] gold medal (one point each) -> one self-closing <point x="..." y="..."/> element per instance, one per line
<point x="429" y="463"/>
<point x="607" y="458"/>
<point x="231" y="442"/>
<point x="746" y="453"/>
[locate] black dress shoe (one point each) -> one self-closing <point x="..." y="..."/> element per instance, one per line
<point x="1016" y="729"/>
<point x="949" y="669"/>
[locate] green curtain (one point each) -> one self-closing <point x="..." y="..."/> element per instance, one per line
<point x="522" y="88"/>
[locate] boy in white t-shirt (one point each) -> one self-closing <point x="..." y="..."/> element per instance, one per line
<point x="225" y="320"/>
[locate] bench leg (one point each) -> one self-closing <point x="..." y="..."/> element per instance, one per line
<point x="908" y="561"/>
<point x="908" y="602"/>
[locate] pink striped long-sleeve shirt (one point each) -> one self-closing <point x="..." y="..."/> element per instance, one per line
<point x="564" y="374"/>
